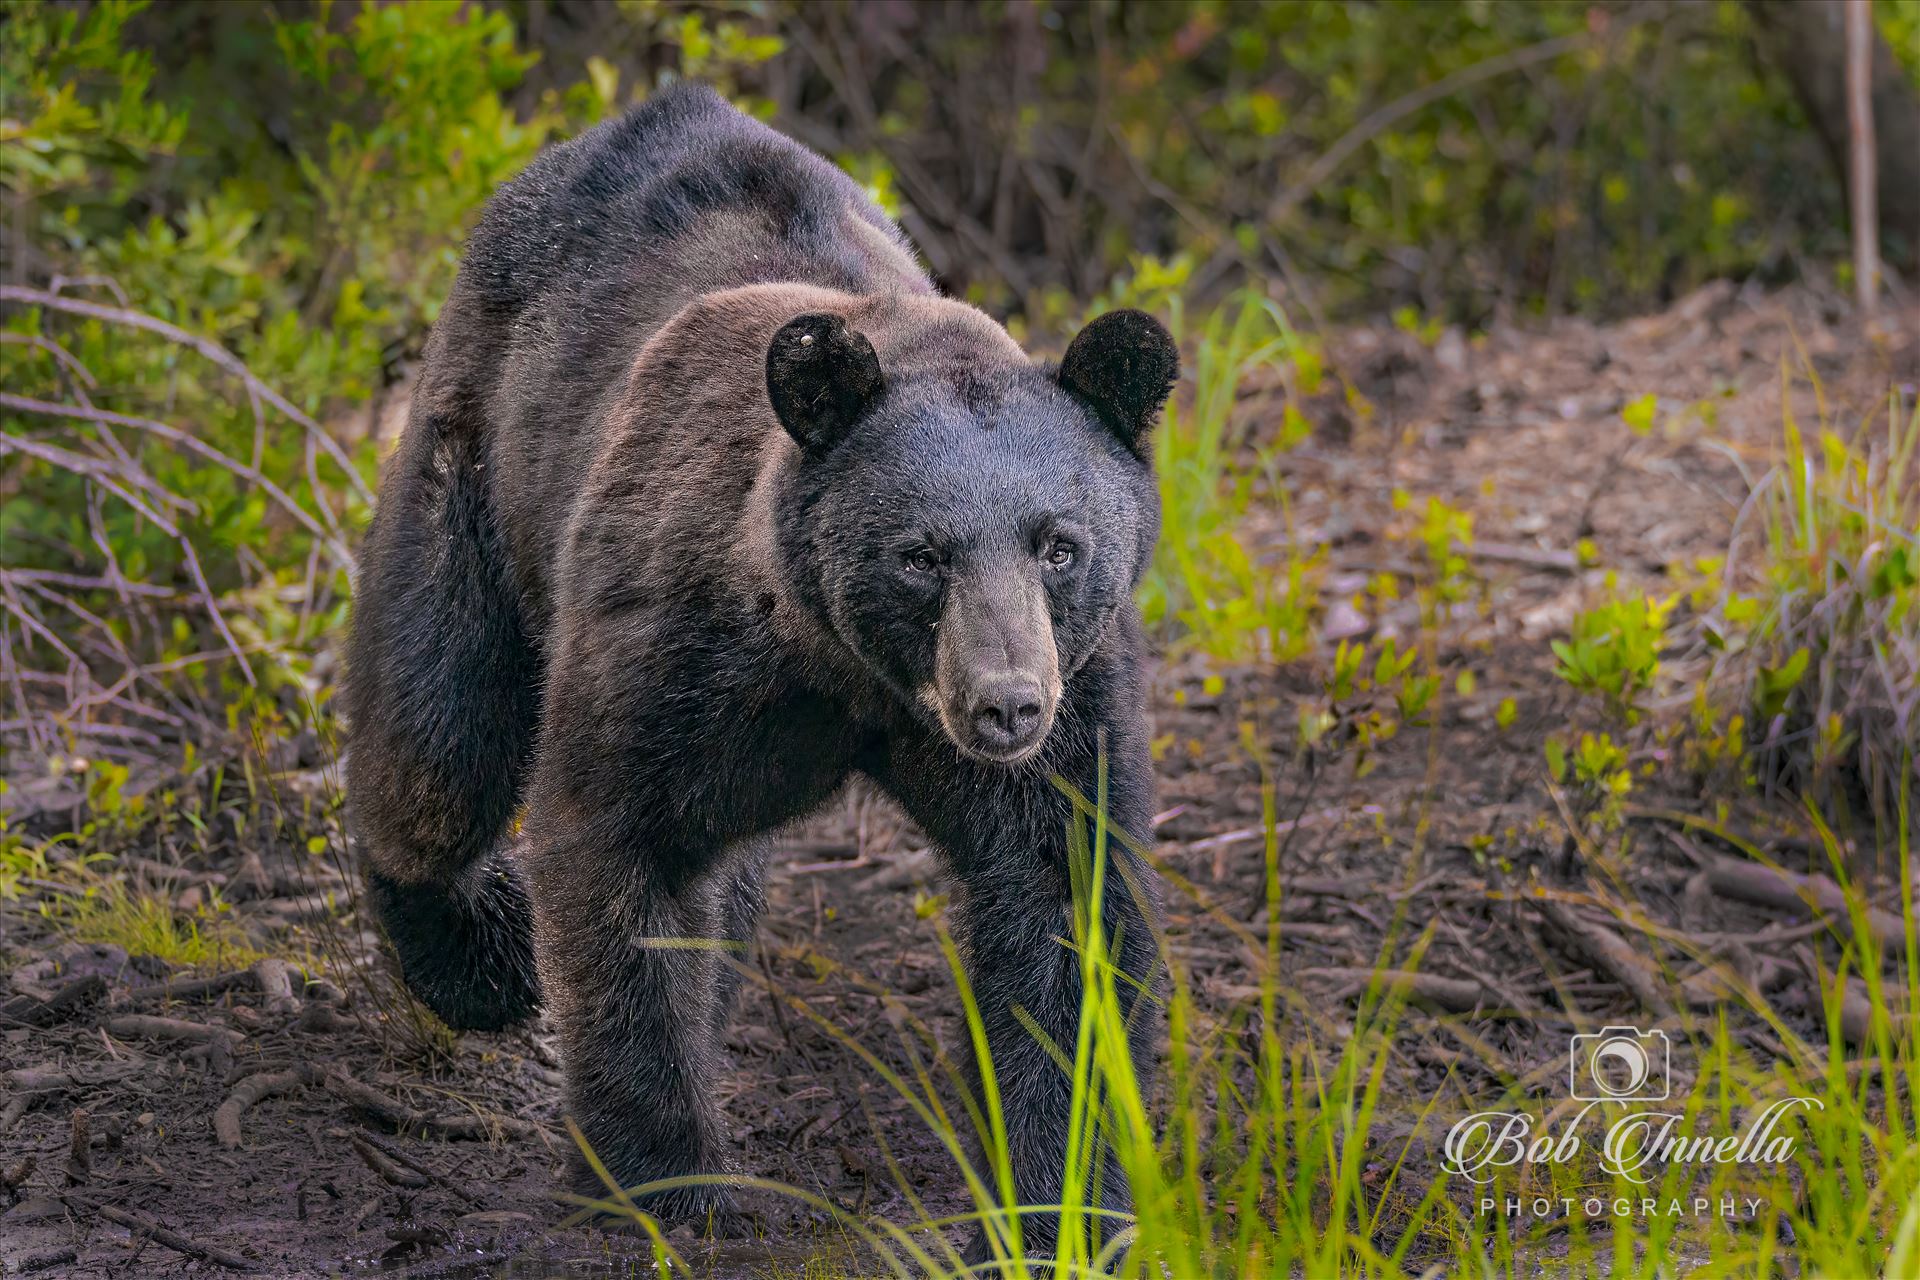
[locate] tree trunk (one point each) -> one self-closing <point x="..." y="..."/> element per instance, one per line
<point x="1806" y="39"/>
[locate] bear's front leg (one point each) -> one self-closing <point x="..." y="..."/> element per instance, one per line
<point x="1005" y="832"/>
<point x="631" y="959"/>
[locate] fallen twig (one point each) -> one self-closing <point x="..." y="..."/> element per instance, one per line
<point x="274" y="978"/>
<point x="46" y="1261"/>
<point x="226" y="1119"/>
<point x="388" y="1168"/>
<point x="144" y="1026"/>
<point x="1243" y="834"/>
<point x="1814" y="895"/>
<point x="171" y="1239"/>
<point x="70" y="999"/>
<point x="1608" y="951"/>
<point x="400" y="1157"/>
<point x="51" y="1080"/>
<point x="194" y="988"/>
<point x="398" y="1115"/>
<point x="1430" y="990"/>
<point x="80" y="1148"/>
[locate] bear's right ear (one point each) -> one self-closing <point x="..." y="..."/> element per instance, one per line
<point x="1124" y="364"/>
<point x="822" y="378"/>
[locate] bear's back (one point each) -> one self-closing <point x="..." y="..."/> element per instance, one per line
<point x="703" y="196"/>
<point x="600" y="242"/>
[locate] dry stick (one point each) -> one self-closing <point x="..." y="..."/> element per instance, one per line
<point x="187" y="553"/>
<point x="1607" y="950"/>
<point x="171" y="1239"/>
<point x="391" y="1111"/>
<point x="52" y="1079"/>
<point x="61" y="283"/>
<point x="46" y="1260"/>
<point x="118" y="649"/>
<point x="80" y="1148"/>
<point x="18" y="609"/>
<point x="192" y="444"/>
<point x="16" y="1107"/>
<point x="388" y="1168"/>
<point x="1856" y="1003"/>
<point x="100" y="472"/>
<point x="250" y="1091"/>
<point x="274" y="978"/>
<point x="30" y="1011"/>
<point x="131" y="1026"/>
<point x="402" y="1158"/>
<point x="206" y="347"/>
<point x="1814" y="895"/>
<point x="82" y="376"/>
<point x="193" y="988"/>
<point x="86" y="582"/>
<point x="1449" y="995"/>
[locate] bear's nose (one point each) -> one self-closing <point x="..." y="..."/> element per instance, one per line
<point x="1007" y="712"/>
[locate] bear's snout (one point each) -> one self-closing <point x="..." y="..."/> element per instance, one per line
<point x="1009" y="713"/>
<point x="996" y="670"/>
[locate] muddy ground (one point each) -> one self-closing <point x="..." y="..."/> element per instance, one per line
<point x="371" y="1148"/>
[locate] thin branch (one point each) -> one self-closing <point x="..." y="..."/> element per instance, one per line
<point x="191" y="443"/>
<point x="60" y="284"/>
<point x="64" y="358"/>
<point x="1384" y="118"/>
<point x="102" y="473"/>
<point x="82" y="582"/>
<point x="206" y="347"/>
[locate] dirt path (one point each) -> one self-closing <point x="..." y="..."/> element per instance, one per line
<point x="359" y="1151"/>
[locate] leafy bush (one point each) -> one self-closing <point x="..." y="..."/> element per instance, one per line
<point x="1614" y="651"/>
<point x="174" y="500"/>
<point x="1818" y="627"/>
<point x="1595" y="156"/>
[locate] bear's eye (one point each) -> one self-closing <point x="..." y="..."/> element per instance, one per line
<point x="1061" y="554"/>
<point x="922" y="561"/>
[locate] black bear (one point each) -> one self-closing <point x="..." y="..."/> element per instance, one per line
<point x="706" y="502"/>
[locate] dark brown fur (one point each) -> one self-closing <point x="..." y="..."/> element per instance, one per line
<point x="609" y="580"/>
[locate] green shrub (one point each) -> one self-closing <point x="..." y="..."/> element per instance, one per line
<point x="1818" y="628"/>
<point x="1614" y="651"/>
<point x="1206" y="588"/>
<point x="315" y="259"/>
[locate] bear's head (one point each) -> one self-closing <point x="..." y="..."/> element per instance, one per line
<point x="966" y="522"/>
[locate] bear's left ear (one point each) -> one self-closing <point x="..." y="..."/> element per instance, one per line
<point x="822" y="378"/>
<point x="1124" y="364"/>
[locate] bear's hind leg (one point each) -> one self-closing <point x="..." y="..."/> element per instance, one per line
<point x="440" y="696"/>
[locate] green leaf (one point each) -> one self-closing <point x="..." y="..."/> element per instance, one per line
<point x="1639" y="413"/>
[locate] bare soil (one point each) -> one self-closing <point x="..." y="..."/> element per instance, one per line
<point x="370" y="1151"/>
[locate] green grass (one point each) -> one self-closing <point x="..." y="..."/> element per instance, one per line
<point x="1274" y="1147"/>
<point x="1274" y="1144"/>
<point x="145" y="925"/>
<point x="1205" y="590"/>
<point x="1836" y="583"/>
